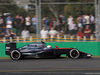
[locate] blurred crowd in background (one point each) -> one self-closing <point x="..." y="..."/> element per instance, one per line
<point x="83" y="25"/>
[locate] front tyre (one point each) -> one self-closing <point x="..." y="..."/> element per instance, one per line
<point x="74" y="54"/>
<point x="15" y="55"/>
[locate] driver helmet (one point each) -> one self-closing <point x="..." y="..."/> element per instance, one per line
<point x="49" y="46"/>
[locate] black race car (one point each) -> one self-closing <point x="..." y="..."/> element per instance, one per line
<point x="39" y="50"/>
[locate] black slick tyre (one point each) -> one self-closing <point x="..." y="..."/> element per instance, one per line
<point x="74" y="54"/>
<point x="15" y="55"/>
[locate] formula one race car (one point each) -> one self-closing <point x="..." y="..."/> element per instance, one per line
<point x="40" y="50"/>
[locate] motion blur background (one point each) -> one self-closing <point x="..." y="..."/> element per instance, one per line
<point x="49" y="20"/>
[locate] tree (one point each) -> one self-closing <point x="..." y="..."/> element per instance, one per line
<point x="9" y="6"/>
<point x="67" y="9"/>
<point x="54" y="9"/>
<point x="76" y="10"/>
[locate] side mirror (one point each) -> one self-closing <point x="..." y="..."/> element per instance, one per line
<point x="56" y="46"/>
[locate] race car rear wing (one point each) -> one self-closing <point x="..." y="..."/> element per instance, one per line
<point x="9" y="47"/>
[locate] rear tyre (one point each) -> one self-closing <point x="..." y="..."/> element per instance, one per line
<point x="74" y="54"/>
<point x="15" y="55"/>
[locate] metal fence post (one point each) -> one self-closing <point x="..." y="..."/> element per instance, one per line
<point x="17" y="39"/>
<point x="38" y="13"/>
<point x="24" y="39"/>
<point x="58" y="38"/>
<point x="71" y="37"/>
<point x="30" y="38"/>
<point x="78" y="38"/>
<point x="84" y="38"/>
<point x="65" y="37"/>
<point x="10" y="39"/>
<point x="4" y="39"/>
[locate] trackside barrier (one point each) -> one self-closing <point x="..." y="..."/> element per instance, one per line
<point x="51" y="38"/>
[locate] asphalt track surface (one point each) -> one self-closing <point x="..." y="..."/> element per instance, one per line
<point x="62" y="66"/>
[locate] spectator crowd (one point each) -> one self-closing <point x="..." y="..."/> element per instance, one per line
<point x="83" y="25"/>
<point x="18" y="26"/>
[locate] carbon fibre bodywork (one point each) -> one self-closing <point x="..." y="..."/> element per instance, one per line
<point x="40" y="50"/>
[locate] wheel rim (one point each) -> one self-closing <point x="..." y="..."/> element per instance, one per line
<point x="15" y="55"/>
<point x="74" y="53"/>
